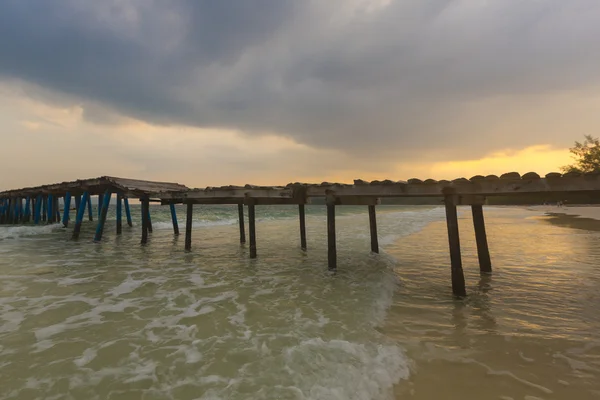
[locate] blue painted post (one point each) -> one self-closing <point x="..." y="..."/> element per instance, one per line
<point x="50" y="209"/>
<point x="17" y="213"/>
<point x="77" y="203"/>
<point x="127" y="212"/>
<point x="65" y="219"/>
<point x="100" y="202"/>
<point x="89" y="206"/>
<point x="27" y="209"/>
<point x="149" y="219"/>
<point x="57" y="207"/>
<point x="38" y="209"/>
<point x="80" y="213"/>
<point x="102" y="219"/>
<point x="119" y="214"/>
<point x="44" y="207"/>
<point x="174" y="219"/>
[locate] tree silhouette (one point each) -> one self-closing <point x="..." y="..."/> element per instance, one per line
<point x="586" y="155"/>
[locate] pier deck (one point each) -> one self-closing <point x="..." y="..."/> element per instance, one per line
<point x="474" y="192"/>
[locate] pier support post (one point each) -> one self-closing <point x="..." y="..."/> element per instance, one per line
<point x="373" y="229"/>
<point x="149" y="219"/>
<point x="50" y="209"/>
<point x="119" y="214"/>
<point x="77" y="203"/>
<point x="174" y="220"/>
<point x="27" y="213"/>
<point x="57" y="208"/>
<point x="102" y="219"/>
<point x="189" y="217"/>
<point x="80" y="213"/>
<point x="483" y="252"/>
<point x="145" y="205"/>
<point x="241" y="222"/>
<point x="127" y="212"/>
<point x="100" y="202"/>
<point x="37" y="214"/>
<point x="89" y="207"/>
<point x="44" y="208"/>
<point x="66" y="209"/>
<point x="252" y="227"/>
<point x="458" y="278"/>
<point x="302" y="217"/>
<point x="331" y="245"/>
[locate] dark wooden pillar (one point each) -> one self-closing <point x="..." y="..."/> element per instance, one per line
<point x="174" y="219"/>
<point x="252" y="229"/>
<point x="373" y="226"/>
<point x="119" y="213"/>
<point x="188" y="226"/>
<point x="44" y="207"/>
<point x="145" y="213"/>
<point x="149" y="219"/>
<point x="103" y="213"/>
<point x="241" y="221"/>
<point x="331" y="248"/>
<point x="483" y="252"/>
<point x="80" y="214"/>
<point x="458" y="278"/>
<point x="302" y="216"/>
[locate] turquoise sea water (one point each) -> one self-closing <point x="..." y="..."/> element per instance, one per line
<point x="111" y="320"/>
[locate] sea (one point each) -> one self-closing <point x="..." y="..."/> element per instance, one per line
<point x="118" y="320"/>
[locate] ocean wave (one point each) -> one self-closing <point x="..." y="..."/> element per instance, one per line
<point x="14" y="232"/>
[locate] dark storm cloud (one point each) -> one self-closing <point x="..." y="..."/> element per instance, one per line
<point x="355" y="74"/>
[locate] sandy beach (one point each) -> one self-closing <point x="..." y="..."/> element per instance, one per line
<point x="585" y="217"/>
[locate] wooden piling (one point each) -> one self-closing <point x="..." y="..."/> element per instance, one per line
<point x="119" y="215"/>
<point x="302" y="217"/>
<point x="127" y="212"/>
<point x="44" y="208"/>
<point x="331" y="241"/>
<point x="50" y="209"/>
<point x="241" y="223"/>
<point x="66" y="209"/>
<point x="483" y="252"/>
<point x="458" y="278"/>
<point x="100" y="202"/>
<point x="252" y="229"/>
<point x="37" y="215"/>
<point x="189" y="218"/>
<point x="80" y="213"/>
<point x="27" y="212"/>
<point x="102" y="219"/>
<point x="373" y="229"/>
<point x="149" y="219"/>
<point x="145" y="205"/>
<point x="174" y="219"/>
<point x="89" y="208"/>
<point x="57" y="209"/>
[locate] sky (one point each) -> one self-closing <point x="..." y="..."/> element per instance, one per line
<point x="205" y="92"/>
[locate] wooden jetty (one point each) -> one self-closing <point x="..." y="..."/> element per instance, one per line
<point x="472" y="192"/>
<point x="40" y="204"/>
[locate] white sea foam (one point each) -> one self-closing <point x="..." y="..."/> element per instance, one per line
<point x="15" y="232"/>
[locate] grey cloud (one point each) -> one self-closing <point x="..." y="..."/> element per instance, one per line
<point x="336" y="74"/>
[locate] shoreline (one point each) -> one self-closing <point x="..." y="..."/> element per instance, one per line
<point x="584" y="217"/>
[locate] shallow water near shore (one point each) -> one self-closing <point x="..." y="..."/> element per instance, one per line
<point x="117" y="320"/>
